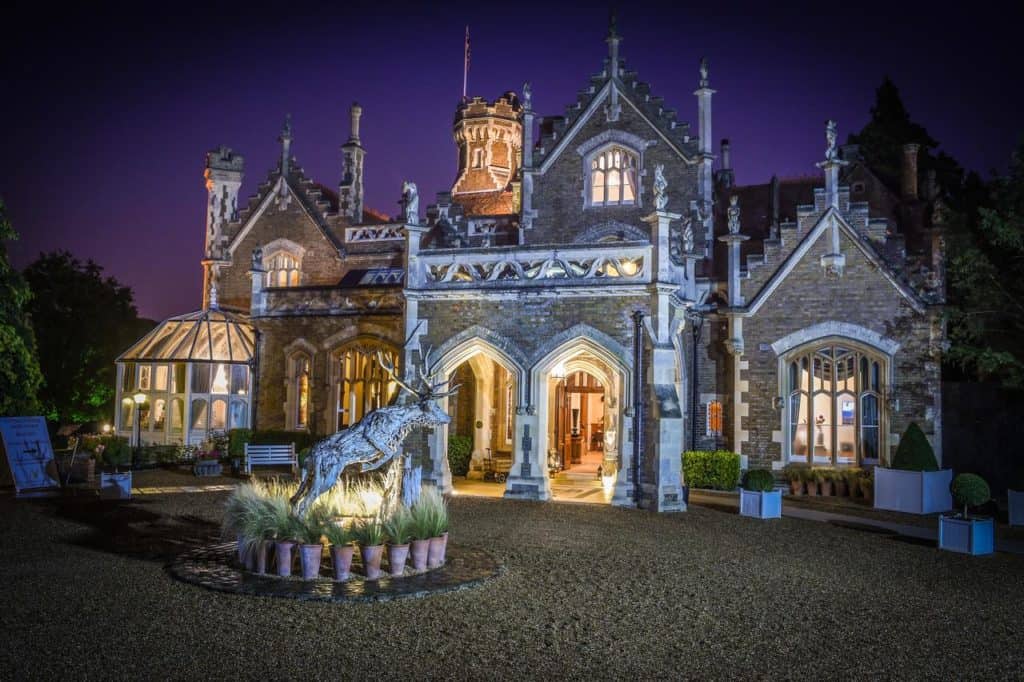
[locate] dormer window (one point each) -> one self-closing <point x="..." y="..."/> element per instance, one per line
<point x="613" y="177"/>
<point x="283" y="270"/>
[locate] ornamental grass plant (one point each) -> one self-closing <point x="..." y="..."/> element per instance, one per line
<point x="369" y="533"/>
<point x="430" y="514"/>
<point x="399" y="526"/>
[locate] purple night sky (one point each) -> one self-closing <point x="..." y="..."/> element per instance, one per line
<point x="109" y="113"/>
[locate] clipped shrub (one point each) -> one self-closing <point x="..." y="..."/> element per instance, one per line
<point x="114" y="451"/>
<point x="914" y="452"/>
<point x="716" y="470"/>
<point x="759" y="481"/>
<point x="970" y="490"/>
<point x="460" y="449"/>
<point x="237" y="438"/>
<point x="301" y="439"/>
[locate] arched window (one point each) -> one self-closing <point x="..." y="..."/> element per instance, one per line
<point x="301" y="392"/>
<point x="198" y="414"/>
<point x="714" y="418"/>
<point x="282" y="270"/>
<point x="361" y="384"/>
<point x="834" y="404"/>
<point x="613" y="177"/>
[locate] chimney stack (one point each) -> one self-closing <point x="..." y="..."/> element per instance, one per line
<point x="726" y="164"/>
<point x="908" y="181"/>
<point x="350" y="189"/>
<point x="725" y="175"/>
<point x="356" y="112"/>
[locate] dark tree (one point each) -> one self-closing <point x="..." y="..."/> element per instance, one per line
<point x="986" y="259"/>
<point x="20" y="378"/>
<point x="82" y="322"/>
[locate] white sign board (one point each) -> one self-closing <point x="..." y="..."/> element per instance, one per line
<point x="27" y="443"/>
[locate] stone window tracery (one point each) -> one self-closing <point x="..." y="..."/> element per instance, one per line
<point x="834" y="407"/>
<point x="361" y="385"/>
<point x="283" y="270"/>
<point x="612" y="180"/>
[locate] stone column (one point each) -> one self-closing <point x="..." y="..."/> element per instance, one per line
<point x="528" y="478"/>
<point x="705" y="173"/>
<point x="258" y="298"/>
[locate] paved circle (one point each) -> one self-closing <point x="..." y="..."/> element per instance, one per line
<point x="214" y="568"/>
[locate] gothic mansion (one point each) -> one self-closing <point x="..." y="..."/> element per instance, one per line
<point x="600" y="288"/>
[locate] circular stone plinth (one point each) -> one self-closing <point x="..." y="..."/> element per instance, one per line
<point x="214" y="567"/>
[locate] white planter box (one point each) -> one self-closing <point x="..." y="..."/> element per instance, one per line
<point x="117" y="486"/>
<point x="969" y="536"/>
<point x="914" y="492"/>
<point x="766" y="505"/>
<point x="1016" y="504"/>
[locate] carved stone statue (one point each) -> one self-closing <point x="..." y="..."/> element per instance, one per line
<point x="703" y="71"/>
<point x="527" y="96"/>
<point x="830" y="137"/>
<point x="688" y="236"/>
<point x="411" y="203"/>
<point x="373" y="441"/>
<point x="734" y="214"/>
<point x="257" y="258"/>
<point x="660" y="187"/>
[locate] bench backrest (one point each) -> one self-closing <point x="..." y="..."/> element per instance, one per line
<point x="266" y="453"/>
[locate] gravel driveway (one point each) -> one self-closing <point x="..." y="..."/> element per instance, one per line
<point x="590" y="591"/>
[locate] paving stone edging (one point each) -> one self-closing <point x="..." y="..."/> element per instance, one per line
<point x="213" y="567"/>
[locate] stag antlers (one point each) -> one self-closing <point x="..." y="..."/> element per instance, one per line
<point x="431" y="391"/>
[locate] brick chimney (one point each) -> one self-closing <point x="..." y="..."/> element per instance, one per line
<point x="908" y="181"/>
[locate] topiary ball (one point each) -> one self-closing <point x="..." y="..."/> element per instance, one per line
<point x="970" y="490"/>
<point x="914" y="452"/>
<point x="759" y="481"/>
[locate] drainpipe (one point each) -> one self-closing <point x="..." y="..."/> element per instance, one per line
<point x="638" y="402"/>
<point x="254" y="376"/>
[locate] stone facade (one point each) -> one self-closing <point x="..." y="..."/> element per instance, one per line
<point x="598" y="248"/>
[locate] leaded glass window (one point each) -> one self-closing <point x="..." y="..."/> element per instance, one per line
<point x="613" y="177"/>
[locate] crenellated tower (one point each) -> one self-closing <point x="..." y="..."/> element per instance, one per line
<point x="489" y="137"/>
<point x="350" y="190"/>
<point x="223" y="178"/>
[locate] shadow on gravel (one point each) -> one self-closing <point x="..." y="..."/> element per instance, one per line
<point x="863" y="527"/>
<point x="921" y="542"/>
<point x="128" y="528"/>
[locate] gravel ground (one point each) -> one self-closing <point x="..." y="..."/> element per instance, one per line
<point x="590" y="591"/>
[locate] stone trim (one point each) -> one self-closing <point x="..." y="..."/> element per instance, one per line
<point x="635" y="143"/>
<point x="611" y="228"/>
<point x="822" y="330"/>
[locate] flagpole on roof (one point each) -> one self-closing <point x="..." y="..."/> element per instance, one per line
<point x="465" y="64"/>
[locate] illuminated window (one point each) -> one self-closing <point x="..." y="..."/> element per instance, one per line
<point x="282" y="270"/>
<point x="160" y="382"/>
<point x="613" y="177"/>
<point x="239" y="414"/>
<point x="220" y="378"/>
<point x="177" y="415"/>
<point x="715" y="418"/>
<point x="361" y="384"/>
<point x="834" y="406"/>
<point x="145" y="376"/>
<point x="199" y="414"/>
<point x="219" y="415"/>
<point x="159" y="415"/>
<point x="301" y="392"/>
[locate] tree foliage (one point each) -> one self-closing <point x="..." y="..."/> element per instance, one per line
<point x="20" y="377"/>
<point x="986" y="258"/>
<point x="82" y="322"/>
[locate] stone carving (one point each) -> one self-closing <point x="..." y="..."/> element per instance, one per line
<point x="688" y="236"/>
<point x="257" y="259"/>
<point x="703" y="72"/>
<point x="830" y="137"/>
<point x="527" y="96"/>
<point x="411" y="203"/>
<point x="660" y="187"/>
<point x="578" y="264"/>
<point x="374" y="440"/>
<point x="734" y="214"/>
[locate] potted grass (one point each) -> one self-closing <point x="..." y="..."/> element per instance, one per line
<point x="398" y="529"/>
<point x="810" y="477"/>
<point x="758" y="497"/>
<point x="866" y="481"/>
<point x="311" y="547"/>
<point x="796" y="479"/>
<point x="422" y="529"/>
<point x="286" y="531"/>
<point x="370" y="536"/>
<point x="960" y="532"/>
<point x="433" y="506"/>
<point x="852" y="477"/>
<point x="825" y="479"/>
<point x="243" y="502"/>
<point x="342" y="550"/>
<point x="839" y="483"/>
<point x="258" y="528"/>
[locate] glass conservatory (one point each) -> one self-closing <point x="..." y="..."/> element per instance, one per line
<point x="190" y="376"/>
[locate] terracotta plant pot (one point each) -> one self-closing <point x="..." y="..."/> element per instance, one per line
<point x="796" y="487"/>
<point x="240" y="548"/>
<point x="310" y="556"/>
<point x="341" y="557"/>
<point x="371" y="561"/>
<point x="419" y="554"/>
<point x="812" y="487"/>
<point x="826" y="487"/>
<point x="435" y="553"/>
<point x="397" y="554"/>
<point x="841" y="489"/>
<point x="283" y="555"/>
<point x="867" y="489"/>
<point x="261" y="550"/>
<point x="854" y="486"/>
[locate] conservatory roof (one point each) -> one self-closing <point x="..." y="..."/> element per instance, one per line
<point x="203" y="336"/>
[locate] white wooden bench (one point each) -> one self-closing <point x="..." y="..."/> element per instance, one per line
<point x="270" y="455"/>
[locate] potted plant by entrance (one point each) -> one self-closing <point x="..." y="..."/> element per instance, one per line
<point x="825" y="478"/>
<point x="796" y="479"/>
<point x="342" y="550"/>
<point x="311" y="547"/>
<point x="960" y="532"/>
<point x="1015" y="499"/>
<point x="758" y="497"/>
<point x="432" y="505"/>
<point x="287" y="528"/>
<point x="257" y="529"/>
<point x="914" y="484"/>
<point x="398" y="528"/>
<point x="839" y="483"/>
<point x="852" y="477"/>
<point x="867" y="485"/>
<point x="116" y="454"/>
<point x="810" y="477"/>
<point x="370" y="536"/>
<point x="422" y="530"/>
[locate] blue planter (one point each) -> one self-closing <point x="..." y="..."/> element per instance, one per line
<point x="968" y="536"/>
<point x="766" y="505"/>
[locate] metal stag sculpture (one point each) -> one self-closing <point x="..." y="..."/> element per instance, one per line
<point x="374" y="440"/>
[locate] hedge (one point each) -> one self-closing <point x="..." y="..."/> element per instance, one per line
<point x="914" y="452"/>
<point x="759" y="481"/>
<point x="460" y="449"/>
<point x="717" y="470"/>
<point x="237" y="438"/>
